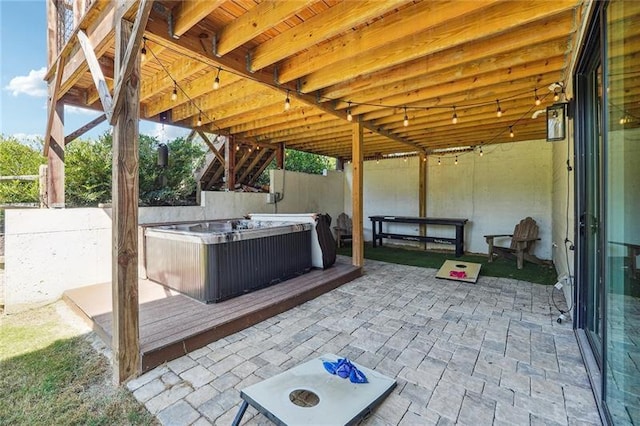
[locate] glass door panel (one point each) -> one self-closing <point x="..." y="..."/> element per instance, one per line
<point x="622" y="206"/>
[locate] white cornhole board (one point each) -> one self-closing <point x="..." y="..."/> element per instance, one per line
<point x="471" y="269"/>
<point x="340" y="401"/>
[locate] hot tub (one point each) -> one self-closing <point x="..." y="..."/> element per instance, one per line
<point x="217" y="260"/>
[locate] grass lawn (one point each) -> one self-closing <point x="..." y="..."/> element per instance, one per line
<point x="51" y="375"/>
<point x="433" y="259"/>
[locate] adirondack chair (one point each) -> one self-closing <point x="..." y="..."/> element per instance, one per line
<point x="524" y="236"/>
<point x="343" y="228"/>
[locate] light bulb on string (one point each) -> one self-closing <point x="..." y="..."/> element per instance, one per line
<point x="349" y="116"/>
<point x="199" y="123"/>
<point x="287" y="102"/>
<point x="405" y="159"/>
<point x="481" y="153"/>
<point x="498" y="110"/>
<point x="456" y="162"/>
<point x="454" y="118"/>
<point x="511" y="134"/>
<point x="143" y="51"/>
<point x="237" y="147"/>
<point x="406" y="118"/>
<point x="537" y="98"/>
<point x="439" y="161"/>
<point x="174" y="94"/>
<point x="216" y="82"/>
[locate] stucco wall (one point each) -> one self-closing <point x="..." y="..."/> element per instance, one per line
<point x="49" y="251"/>
<point x="508" y="183"/>
<point x="563" y="216"/>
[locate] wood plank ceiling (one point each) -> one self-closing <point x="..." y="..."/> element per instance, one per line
<point x="402" y="67"/>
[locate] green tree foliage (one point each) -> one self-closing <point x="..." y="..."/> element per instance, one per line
<point x="299" y="161"/>
<point x="18" y="159"/>
<point x="88" y="166"/>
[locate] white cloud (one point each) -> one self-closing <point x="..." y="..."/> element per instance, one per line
<point x="31" y="84"/>
<point x="70" y="109"/>
<point x="170" y="132"/>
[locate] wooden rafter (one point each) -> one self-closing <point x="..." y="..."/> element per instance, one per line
<point x="189" y="13"/>
<point x="84" y="129"/>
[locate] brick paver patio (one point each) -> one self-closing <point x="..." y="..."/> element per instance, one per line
<point x="485" y="354"/>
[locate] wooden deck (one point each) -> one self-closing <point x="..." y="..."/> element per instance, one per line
<point x="172" y="324"/>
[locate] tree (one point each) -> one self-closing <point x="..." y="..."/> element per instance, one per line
<point x="88" y="166"/>
<point x="300" y="161"/>
<point x="18" y="159"/>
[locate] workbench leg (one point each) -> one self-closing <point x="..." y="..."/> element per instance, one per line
<point x="240" y="414"/>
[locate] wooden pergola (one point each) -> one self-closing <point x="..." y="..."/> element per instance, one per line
<point x="353" y="80"/>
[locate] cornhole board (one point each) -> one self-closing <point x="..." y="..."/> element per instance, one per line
<point x="472" y="270"/>
<point x="326" y="399"/>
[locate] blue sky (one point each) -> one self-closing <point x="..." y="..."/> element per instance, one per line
<point x="23" y="92"/>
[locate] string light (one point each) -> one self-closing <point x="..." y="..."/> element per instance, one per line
<point x="559" y="90"/>
<point x="481" y="153"/>
<point x="174" y="95"/>
<point x="405" y="159"/>
<point x="456" y="163"/>
<point x="287" y="102"/>
<point x="216" y="82"/>
<point x="143" y="51"/>
<point x="237" y="147"/>
<point x="439" y="161"/>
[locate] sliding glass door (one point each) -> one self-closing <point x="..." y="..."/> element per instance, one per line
<point x="608" y="204"/>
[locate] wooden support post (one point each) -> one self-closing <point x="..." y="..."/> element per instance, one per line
<point x="126" y="342"/>
<point x="422" y="194"/>
<point x="230" y="163"/>
<point x="55" y="158"/>
<point x="280" y="156"/>
<point x="357" y="255"/>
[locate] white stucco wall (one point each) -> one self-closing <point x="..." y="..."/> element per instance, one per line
<point x="563" y="220"/>
<point x="508" y="183"/>
<point x="306" y="193"/>
<point x="50" y="251"/>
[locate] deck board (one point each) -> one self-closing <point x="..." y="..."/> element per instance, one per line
<point x="172" y="324"/>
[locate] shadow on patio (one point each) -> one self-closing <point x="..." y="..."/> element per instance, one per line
<point x="490" y="353"/>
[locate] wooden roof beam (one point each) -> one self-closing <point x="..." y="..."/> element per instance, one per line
<point x="191" y="46"/>
<point x="489" y="22"/>
<point x="254" y="22"/>
<point x="188" y="13"/>
<point x="405" y="23"/>
<point x="522" y="41"/>
<point x="480" y="94"/>
<point x="466" y="77"/>
<point x="338" y="18"/>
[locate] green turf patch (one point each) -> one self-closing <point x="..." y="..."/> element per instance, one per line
<point x="506" y="268"/>
<point x="51" y="378"/>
